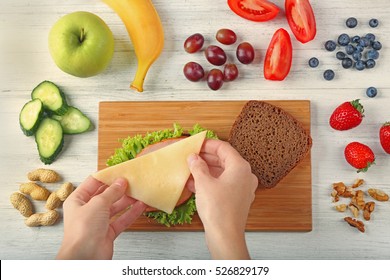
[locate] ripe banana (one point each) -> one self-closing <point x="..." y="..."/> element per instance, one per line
<point x="145" y="30"/>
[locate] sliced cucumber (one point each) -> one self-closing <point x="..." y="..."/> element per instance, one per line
<point x="30" y="116"/>
<point x="74" y="121"/>
<point x="51" y="96"/>
<point x="50" y="140"/>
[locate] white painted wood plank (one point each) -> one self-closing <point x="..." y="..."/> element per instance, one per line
<point x="25" y="61"/>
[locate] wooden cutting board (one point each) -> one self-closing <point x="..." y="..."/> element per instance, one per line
<point x="287" y="207"/>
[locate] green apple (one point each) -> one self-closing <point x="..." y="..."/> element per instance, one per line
<point x="81" y="44"/>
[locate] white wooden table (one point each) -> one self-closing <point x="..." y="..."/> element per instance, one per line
<point x="25" y="61"/>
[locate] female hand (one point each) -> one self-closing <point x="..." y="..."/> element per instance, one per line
<point x="224" y="188"/>
<point x="89" y="231"/>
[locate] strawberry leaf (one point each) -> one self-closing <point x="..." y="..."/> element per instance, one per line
<point x="358" y="106"/>
<point x="366" y="168"/>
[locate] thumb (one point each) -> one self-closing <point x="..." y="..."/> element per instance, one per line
<point x="198" y="167"/>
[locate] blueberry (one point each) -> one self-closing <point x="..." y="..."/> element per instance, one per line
<point x="330" y="45"/>
<point x="357" y="55"/>
<point x="372" y="54"/>
<point x="351" y="22"/>
<point x="343" y="39"/>
<point x="360" y="65"/>
<point x="370" y="37"/>
<point x="340" y="55"/>
<point x="364" y="42"/>
<point x="359" y="48"/>
<point x="371" y="92"/>
<point x="328" y="75"/>
<point x="355" y="39"/>
<point x="376" y="45"/>
<point x="313" y="62"/>
<point x="349" y="49"/>
<point x="370" y="63"/>
<point x="347" y="63"/>
<point x="373" y="22"/>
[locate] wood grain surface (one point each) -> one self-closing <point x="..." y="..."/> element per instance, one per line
<point x="287" y="207"/>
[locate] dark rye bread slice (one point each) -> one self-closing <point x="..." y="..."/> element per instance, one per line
<point x="270" y="139"/>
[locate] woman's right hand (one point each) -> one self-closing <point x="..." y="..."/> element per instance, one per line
<point x="224" y="187"/>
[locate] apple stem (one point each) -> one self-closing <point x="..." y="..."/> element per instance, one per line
<point x="82" y="35"/>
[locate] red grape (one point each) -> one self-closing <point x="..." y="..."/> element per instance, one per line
<point x="245" y="53"/>
<point x="215" y="55"/>
<point x="215" y="79"/>
<point x="226" y="36"/>
<point x="194" y="43"/>
<point x="230" y="72"/>
<point x="193" y="71"/>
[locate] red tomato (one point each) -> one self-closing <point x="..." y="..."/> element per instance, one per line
<point x="255" y="10"/>
<point x="278" y="58"/>
<point x="300" y="17"/>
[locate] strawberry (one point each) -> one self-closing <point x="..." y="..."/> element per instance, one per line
<point x="384" y="137"/>
<point x="346" y="116"/>
<point x="359" y="156"/>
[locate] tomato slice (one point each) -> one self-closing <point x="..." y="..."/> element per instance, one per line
<point x="255" y="10"/>
<point x="278" y="58"/>
<point x="300" y="17"/>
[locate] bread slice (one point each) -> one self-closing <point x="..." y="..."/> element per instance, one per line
<point x="270" y="139"/>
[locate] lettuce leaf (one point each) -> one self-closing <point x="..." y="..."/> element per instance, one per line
<point x="131" y="146"/>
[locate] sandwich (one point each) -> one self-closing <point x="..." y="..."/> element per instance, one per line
<point x="170" y="202"/>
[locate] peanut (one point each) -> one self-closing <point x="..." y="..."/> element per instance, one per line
<point x="36" y="191"/>
<point x="22" y="203"/>
<point x="378" y="194"/>
<point x="43" y="175"/>
<point x="42" y="219"/>
<point x="55" y="198"/>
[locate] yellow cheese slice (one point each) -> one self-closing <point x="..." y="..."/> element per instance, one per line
<point x="157" y="178"/>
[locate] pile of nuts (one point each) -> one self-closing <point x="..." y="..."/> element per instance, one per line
<point x="21" y="202"/>
<point x="357" y="202"/>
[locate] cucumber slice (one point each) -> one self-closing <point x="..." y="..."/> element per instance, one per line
<point x="51" y="96"/>
<point x="74" y="121"/>
<point x="50" y="140"/>
<point x="30" y="116"/>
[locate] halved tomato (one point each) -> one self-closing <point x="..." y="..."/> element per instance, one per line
<point x="300" y="17"/>
<point x="278" y="58"/>
<point x="255" y="10"/>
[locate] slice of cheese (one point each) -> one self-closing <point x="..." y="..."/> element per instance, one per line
<point x="157" y="178"/>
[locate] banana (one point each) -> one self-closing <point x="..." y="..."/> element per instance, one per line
<point x="144" y="27"/>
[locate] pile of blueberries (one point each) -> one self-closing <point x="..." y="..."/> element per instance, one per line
<point x="359" y="52"/>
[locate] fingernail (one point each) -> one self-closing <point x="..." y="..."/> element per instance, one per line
<point x="120" y="183"/>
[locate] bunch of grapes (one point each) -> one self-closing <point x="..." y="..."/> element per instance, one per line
<point x="216" y="56"/>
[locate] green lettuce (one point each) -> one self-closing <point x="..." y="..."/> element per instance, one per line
<point x="131" y="146"/>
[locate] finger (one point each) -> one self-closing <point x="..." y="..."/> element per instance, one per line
<point x="100" y="190"/>
<point x="122" y="204"/>
<point x="114" y="192"/>
<point x="86" y="190"/>
<point x="211" y="159"/>
<point x="190" y="184"/>
<point x="128" y="218"/>
<point x="223" y="150"/>
<point x="199" y="169"/>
